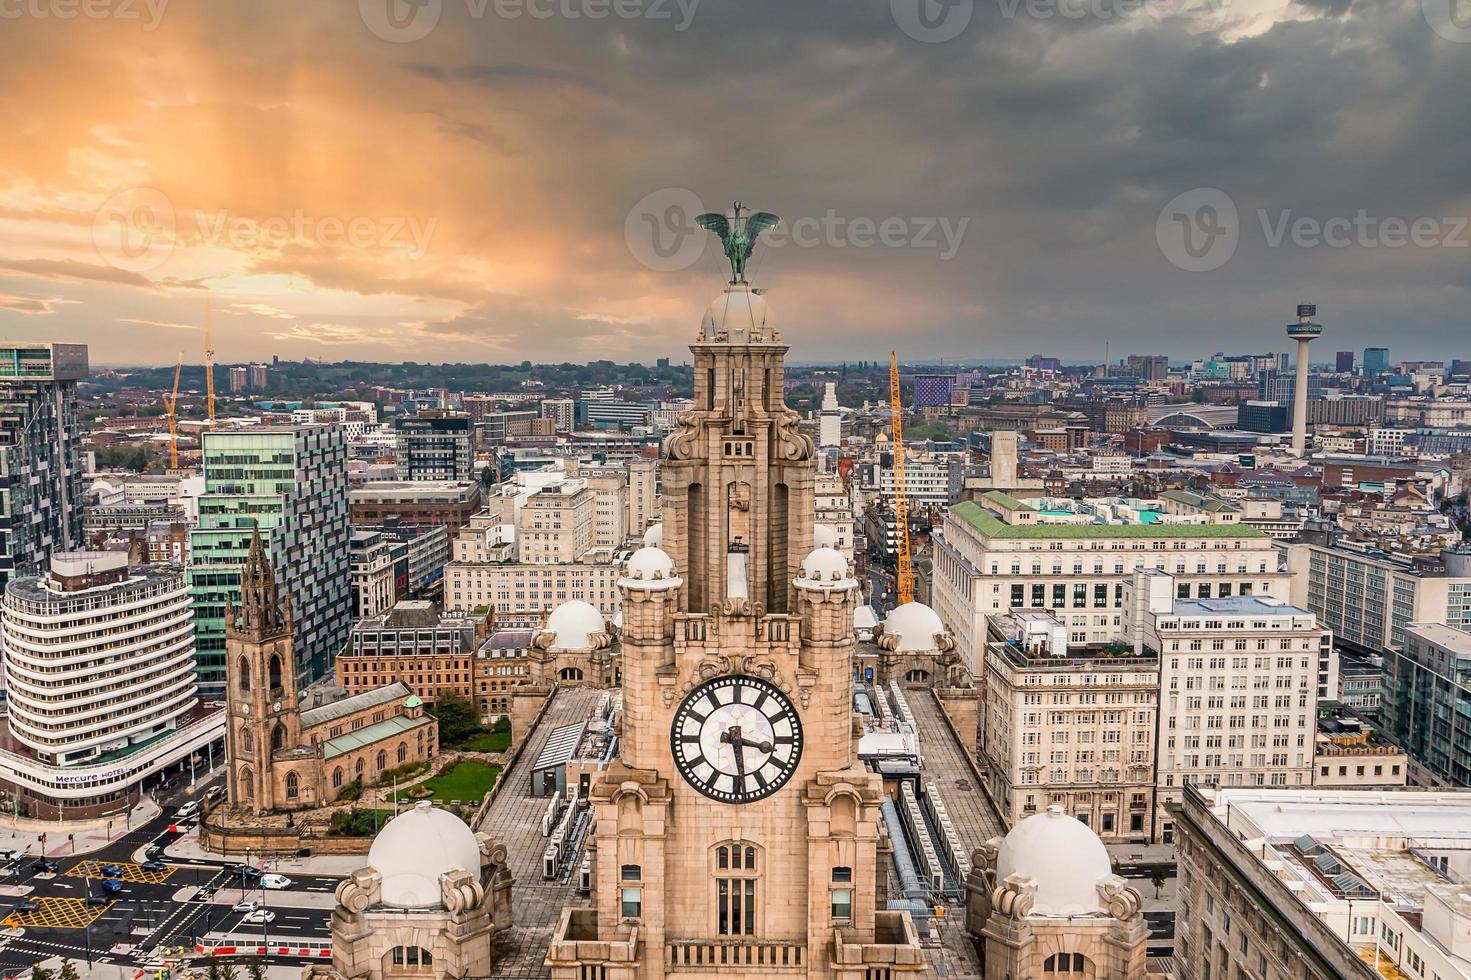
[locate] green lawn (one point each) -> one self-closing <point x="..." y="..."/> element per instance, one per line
<point x="467" y="782"/>
<point x="487" y="742"/>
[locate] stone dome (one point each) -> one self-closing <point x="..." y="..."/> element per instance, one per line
<point x="823" y="536"/>
<point x="415" y="849"/>
<point x="737" y="316"/>
<point x="1063" y="856"/>
<point x="654" y="536"/>
<point x="915" y="625"/>
<point x="574" y="622"/>
<point x="650" y="568"/>
<point x="825" y="568"/>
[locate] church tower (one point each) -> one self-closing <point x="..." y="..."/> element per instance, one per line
<point x="264" y="716"/>
<point x="737" y="831"/>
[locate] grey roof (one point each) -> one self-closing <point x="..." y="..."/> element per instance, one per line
<point x="561" y="747"/>
<point x="397" y="691"/>
<point x="369" y="734"/>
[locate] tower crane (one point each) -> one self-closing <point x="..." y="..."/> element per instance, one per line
<point x="209" y="359"/>
<point x="171" y="406"/>
<point x="905" y="571"/>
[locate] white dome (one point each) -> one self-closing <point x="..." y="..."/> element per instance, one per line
<point x="823" y="536"/>
<point x="1064" y="858"/>
<point x="825" y="568"/>
<point x="737" y="316"/>
<point x="415" y="849"/>
<point x="573" y="622"/>
<point x="654" y="536"/>
<point x="864" y="618"/>
<point x="915" y="624"/>
<point x="650" y="568"/>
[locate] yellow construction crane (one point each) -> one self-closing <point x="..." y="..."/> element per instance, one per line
<point x="171" y="405"/>
<point x="905" y="571"/>
<point x="209" y="359"/>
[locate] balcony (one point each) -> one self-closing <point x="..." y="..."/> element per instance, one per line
<point x="895" y="947"/>
<point x="750" y="956"/>
<point x="579" y="950"/>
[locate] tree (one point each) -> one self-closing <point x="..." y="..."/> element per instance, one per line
<point x="487" y="475"/>
<point x="212" y="972"/>
<point x="255" y="968"/>
<point x="68" y="971"/>
<point x="228" y="972"/>
<point x="458" y="719"/>
<point x="39" y="972"/>
<point x="1157" y="879"/>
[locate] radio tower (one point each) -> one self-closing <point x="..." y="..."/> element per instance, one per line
<point x="1304" y="331"/>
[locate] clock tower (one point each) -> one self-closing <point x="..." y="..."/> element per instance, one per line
<point x="737" y="830"/>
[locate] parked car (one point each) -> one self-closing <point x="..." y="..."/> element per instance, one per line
<point x="275" y="881"/>
<point x="260" y="916"/>
<point x="111" y="885"/>
<point x="154" y="866"/>
<point x="186" y="811"/>
<point x="111" y="871"/>
<point x="248" y="905"/>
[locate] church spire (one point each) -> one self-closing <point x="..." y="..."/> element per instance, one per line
<point x="261" y="611"/>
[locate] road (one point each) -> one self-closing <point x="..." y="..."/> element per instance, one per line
<point x="152" y="912"/>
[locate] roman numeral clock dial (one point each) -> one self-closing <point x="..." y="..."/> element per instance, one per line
<point x="736" y="739"/>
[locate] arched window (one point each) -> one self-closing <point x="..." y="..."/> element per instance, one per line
<point x="1066" y="964"/>
<point x="275" y="673"/>
<point x="337" y="778"/>
<point x="570" y="674"/>
<point x="278" y="738"/>
<point x="362" y="764"/>
<point x="382" y="760"/>
<point x="242" y="668"/>
<point x="403" y="752"/>
<point x="247" y="784"/>
<point x="293" y="785"/>
<point x="737" y="874"/>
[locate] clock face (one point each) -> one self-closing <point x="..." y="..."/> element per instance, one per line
<point x="736" y="739"/>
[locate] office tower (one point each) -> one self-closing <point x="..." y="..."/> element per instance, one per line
<point x="1344" y="362"/>
<point x="435" y="445"/>
<point x="40" y="454"/>
<point x="933" y="390"/>
<point x="1426" y="688"/>
<point x="830" y="422"/>
<point x="99" y="667"/>
<point x="1304" y="331"/>
<point x="1376" y="361"/>
<point x="291" y="482"/>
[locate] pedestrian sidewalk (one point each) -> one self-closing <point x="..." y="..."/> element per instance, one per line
<point x="72" y="837"/>
<point x="188" y="848"/>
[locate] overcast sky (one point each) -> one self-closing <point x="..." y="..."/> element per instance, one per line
<point x="497" y="180"/>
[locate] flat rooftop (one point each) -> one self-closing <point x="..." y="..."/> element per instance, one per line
<point x="1454" y="640"/>
<point x="1236" y="605"/>
<point x="993" y="527"/>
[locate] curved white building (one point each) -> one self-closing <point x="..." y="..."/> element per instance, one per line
<point x="100" y="676"/>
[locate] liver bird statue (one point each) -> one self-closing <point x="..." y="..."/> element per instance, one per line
<point x="738" y="235"/>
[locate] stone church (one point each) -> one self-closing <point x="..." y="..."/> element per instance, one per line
<point x="284" y="757"/>
<point x="737" y="831"/>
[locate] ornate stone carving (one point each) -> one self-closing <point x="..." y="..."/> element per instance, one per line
<point x="460" y="892"/>
<point x="547" y="639"/>
<point x="359" y="890"/>
<point x="1120" y="899"/>
<point x="681" y="443"/>
<point x="788" y="441"/>
<point x="1015" y="896"/>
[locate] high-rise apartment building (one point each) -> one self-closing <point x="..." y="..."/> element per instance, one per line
<point x="560" y="411"/>
<point x="239" y="377"/>
<point x="260" y="376"/>
<point x="1000" y="553"/>
<point x="40" y="454"/>
<point x="435" y="445"/>
<point x="643" y="494"/>
<point x="291" y="482"/>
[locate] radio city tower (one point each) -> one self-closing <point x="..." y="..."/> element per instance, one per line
<point x="1304" y="331"/>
